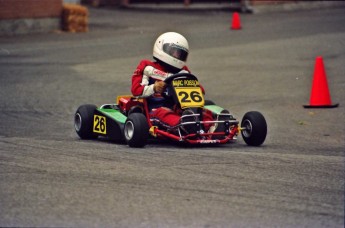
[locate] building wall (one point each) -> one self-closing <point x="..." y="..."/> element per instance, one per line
<point x="14" y="9"/>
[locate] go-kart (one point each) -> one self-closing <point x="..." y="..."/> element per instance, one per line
<point x="129" y="120"/>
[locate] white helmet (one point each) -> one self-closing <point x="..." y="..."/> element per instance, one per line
<point x="171" y="48"/>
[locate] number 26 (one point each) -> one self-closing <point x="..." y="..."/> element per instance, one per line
<point x="99" y="124"/>
<point x="193" y="96"/>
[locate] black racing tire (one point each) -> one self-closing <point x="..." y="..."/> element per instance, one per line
<point x="209" y="102"/>
<point x="83" y="121"/>
<point x="254" y="128"/>
<point x="136" y="130"/>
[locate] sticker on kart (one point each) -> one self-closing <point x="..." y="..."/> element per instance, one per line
<point x="99" y="124"/>
<point x="189" y="93"/>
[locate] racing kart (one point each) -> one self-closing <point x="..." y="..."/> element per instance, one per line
<point x="129" y="120"/>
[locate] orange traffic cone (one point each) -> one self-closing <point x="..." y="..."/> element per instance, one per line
<point x="236" y="24"/>
<point x="320" y="96"/>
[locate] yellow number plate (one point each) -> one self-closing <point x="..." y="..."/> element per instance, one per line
<point x="190" y="96"/>
<point x="99" y="124"/>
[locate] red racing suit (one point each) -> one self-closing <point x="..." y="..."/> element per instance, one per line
<point x="161" y="111"/>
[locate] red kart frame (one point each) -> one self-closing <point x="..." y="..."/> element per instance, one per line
<point x="131" y="104"/>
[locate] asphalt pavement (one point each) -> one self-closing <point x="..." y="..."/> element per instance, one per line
<point x="51" y="178"/>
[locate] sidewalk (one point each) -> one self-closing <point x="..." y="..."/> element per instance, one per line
<point x="181" y="7"/>
<point x="42" y="25"/>
<point x="257" y="8"/>
<point x="301" y="5"/>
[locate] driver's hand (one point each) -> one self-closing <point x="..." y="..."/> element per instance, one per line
<point x="159" y="86"/>
<point x="183" y="71"/>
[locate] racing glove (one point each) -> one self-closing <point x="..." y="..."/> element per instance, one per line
<point x="159" y="86"/>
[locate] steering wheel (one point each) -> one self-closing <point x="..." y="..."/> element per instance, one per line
<point x="168" y="92"/>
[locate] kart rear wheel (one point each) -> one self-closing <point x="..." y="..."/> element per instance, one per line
<point x="136" y="130"/>
<point x="83" y="121"/>
<point x="254" y="128"/>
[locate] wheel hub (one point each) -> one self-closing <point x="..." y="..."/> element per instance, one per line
<point x="129" y="130"/>
<point x="77" y="122"/>
<point x="247" y="128"/>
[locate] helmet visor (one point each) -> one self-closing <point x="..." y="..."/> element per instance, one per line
<point x="176" y="51"/>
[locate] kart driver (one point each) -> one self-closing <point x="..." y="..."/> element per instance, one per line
<point x="170" y="53"/>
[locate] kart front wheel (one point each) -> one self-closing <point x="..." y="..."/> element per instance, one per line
<point x="209" y="102"/>
<point x="136" y="130"/>
<point x="83" y="121"/>
<point x="254" y="128"/>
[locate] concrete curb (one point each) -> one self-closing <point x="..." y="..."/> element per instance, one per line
<point x="264" y="8"/>
<point x="28" y="26"/>
<point x="303" y="5"/>
<point x="183" y="8"/>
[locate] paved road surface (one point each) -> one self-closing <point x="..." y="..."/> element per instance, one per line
<point x="49" y="177"/>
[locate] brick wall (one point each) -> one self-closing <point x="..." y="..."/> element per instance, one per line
<point x="16" y="9"/>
